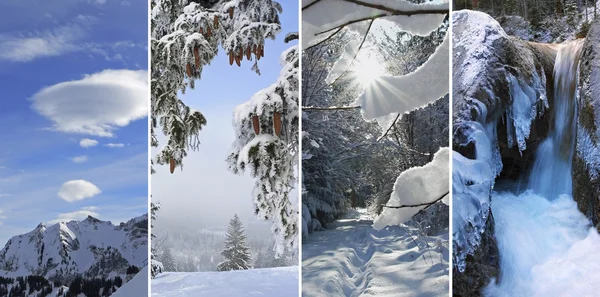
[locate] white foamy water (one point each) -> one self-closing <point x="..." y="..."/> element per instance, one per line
<point x="547" y="246"/>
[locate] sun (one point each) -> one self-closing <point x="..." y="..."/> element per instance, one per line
<point x="367" y="68"/>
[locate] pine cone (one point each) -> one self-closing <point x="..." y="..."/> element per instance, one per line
<point x="256" y="124"/>
<point x="197" y="57"/>
<point x="277" y="123"/>
<point x="171" y="165"/>
<point x="188" y="70"/>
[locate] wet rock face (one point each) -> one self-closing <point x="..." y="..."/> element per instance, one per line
<point x="586" y="163"/>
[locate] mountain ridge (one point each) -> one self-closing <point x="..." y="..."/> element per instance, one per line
<point x="88" y="248"/>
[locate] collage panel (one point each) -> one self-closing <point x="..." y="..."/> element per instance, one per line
<point x="375" y="148"/>
<point x="225" y="148"/>
<point x="299" y="148"/>
<point x="74" y="160"/>
<point x="525" y="149"/>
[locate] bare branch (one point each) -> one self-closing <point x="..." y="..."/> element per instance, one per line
<point x="325" y="40"/>
<point x="389" y="128"/>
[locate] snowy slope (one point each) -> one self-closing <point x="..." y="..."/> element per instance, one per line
<point x="136" y="287"/>
<point x="353" y="259"/>
<point x="276" y="282"/>
<point x="90" y="247"/>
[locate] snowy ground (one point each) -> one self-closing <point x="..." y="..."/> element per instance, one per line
<point x="137" y="286"/>
<point x="275" y="282"/>
<point x="353" y="259"/>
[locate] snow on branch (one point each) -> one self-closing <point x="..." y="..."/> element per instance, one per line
<point x="426" y="204"/>
<point x="401" y="94"/>
<point x="416" y="189"/>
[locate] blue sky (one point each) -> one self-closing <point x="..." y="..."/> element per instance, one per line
<point x="205" y="193"/>
<point x="72" y="70"/>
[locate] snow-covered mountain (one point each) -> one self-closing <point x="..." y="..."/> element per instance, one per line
<point x="91" y="248"/>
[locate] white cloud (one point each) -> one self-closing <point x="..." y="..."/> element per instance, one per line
<point x="114" y="145"/>
<point x="48" y="43"/>
<point x="97" y="104"/>
<point x="86" y="142"/>
<point x="76" y="215"/>
<point x="75" y="190"/>
<point x="79" y="159"/>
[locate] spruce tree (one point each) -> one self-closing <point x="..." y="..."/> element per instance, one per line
<point x="236" y="251"/>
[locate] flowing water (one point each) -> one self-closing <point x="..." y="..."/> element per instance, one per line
<point x="547" y="247"/>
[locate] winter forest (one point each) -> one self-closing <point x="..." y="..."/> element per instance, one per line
<point x="374" y="148"/>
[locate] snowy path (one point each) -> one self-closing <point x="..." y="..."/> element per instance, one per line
<point x="353" y="259"/>
<point x="268" y="282"/>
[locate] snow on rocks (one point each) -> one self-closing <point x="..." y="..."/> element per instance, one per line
<point x="417" y="185"/>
